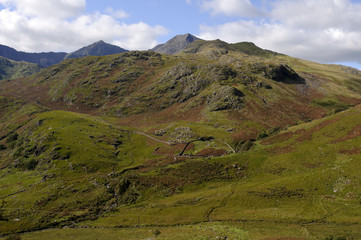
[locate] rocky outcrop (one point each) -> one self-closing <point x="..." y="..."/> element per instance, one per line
<point x="224" y="98"/>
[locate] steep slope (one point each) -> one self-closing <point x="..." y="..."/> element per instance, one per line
<point x="236" y="86"/>
<point x="42" y="59"/>
<point x="176" y="44"/>
<point x="11" y="69"/>
<point x="99" y="48"/>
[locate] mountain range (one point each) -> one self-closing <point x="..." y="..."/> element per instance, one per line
<point x="47" y="59"/>
<point x="207" y="140"/>
<point x="99" y="48"/>
<point x="44" y="59"/>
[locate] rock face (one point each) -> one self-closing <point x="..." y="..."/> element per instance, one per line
<point x="176" y="44"/>
<point x="224" y="98"/>
<point x="99" y="48"/>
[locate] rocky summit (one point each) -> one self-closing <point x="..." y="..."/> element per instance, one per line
<point x="99" y="48"/>
<point x="176" y="44"/>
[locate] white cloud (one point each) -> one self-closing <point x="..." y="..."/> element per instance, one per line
<point x="63" y="25"/>
<point x="239" y="8"/>
<point x="48" y="8"/>
<point x="320" y="30"/>
<point x="117" y="13"/>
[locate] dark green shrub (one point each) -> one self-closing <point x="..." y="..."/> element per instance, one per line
<point x="2" y="210"/>
<point x="246" y="146"/>
<point x="31" y="165"/>
<point x="157" y="233"/>
<point x="12" y="137"/>
<point x="268" y="132"/>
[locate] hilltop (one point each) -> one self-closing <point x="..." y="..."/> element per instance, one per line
<point x="222" y="140"/>
<point x="99" y="48"/>
<point x="176" y="44"/>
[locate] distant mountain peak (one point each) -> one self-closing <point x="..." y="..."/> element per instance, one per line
<point x="99" y="48"/>
<point x="176" y="44"/>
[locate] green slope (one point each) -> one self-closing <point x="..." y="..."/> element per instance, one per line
<point x="70" y="168"/>
<point x="10" y="69"/>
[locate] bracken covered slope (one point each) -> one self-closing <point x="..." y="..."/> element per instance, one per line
<point x="227" y="141"/>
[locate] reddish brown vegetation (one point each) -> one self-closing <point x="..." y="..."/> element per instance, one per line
<point x="245" y="134"/>
<point x="280" y="150"/>
<point x="308" y="134"/>
<point x="349" y="100"/>
<point x="211" y="152"/>
<point x="352" y="151"/>
<point x="172" y="179"/>
<point x="281" y="137"/>
<point x="280" y="113"/>
<point x="160" y="162"/>
<point x="355" y="132"/>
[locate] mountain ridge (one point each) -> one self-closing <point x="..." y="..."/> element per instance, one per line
<point x="46" y="59"/>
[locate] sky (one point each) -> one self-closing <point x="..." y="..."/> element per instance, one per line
<point x="326" y="31"/>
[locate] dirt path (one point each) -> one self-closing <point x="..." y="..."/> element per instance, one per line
<point x="155" y="139"/>
<point x="234" y="151"/>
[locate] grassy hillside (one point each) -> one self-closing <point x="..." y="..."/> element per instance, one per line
<point x="223" y="142"/>
<point x="68" y="169"/>
<point x="160" y="88"/>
